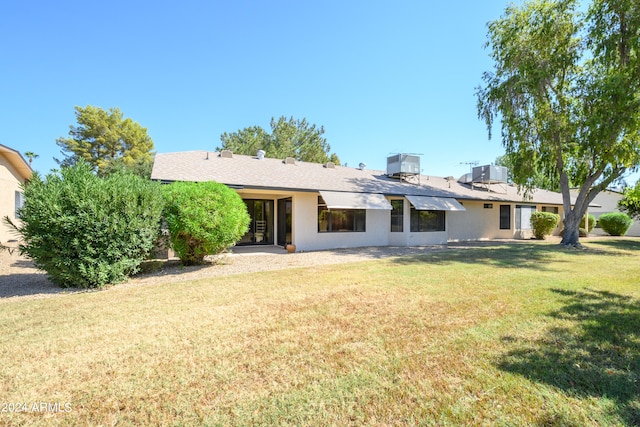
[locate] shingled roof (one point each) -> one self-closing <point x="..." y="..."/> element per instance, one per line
<point x="252" y="173"/>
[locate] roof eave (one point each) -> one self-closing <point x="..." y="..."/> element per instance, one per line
<point x="17" y="161"/>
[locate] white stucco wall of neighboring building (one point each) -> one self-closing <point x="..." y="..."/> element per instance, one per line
<point x="608" y="201"/>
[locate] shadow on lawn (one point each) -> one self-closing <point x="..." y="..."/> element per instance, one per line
<point x="517" y="254"/>
<point x="598" y="356"/>
<point x="621" y="244"/>
<point x="26" y="280"/>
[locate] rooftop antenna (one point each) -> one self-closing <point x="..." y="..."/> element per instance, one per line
<point x="471" y="164"/>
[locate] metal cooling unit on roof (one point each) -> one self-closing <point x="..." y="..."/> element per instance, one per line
<point x="403" y="166"/>
<point x="488" y="175"/>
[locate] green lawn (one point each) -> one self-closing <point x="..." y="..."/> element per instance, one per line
<point x="513" y="335"/>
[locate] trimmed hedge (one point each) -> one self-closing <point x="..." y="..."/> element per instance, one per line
<point x="203" y="218"/>
<point x="86" y="231"/>
<point x="615" y="223"/>
<point x="543" y="223"/>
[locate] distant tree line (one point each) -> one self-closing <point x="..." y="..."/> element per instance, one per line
<point x="288" y="138"/>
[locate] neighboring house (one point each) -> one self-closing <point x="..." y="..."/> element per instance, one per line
<point x="607" y="201"/>
<point x="14" y="170"/>
<point x="323" y="206"/>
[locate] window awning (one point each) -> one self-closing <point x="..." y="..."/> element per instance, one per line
<point x="426" y="203"/>
<point x="340" y="200"/>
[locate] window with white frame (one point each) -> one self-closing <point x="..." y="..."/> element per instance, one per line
<point x="19" y="202"/>
<point x="523" y="216"/>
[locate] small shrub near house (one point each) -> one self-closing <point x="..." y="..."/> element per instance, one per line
<point x="543" y="223"/>
<point x="615" y="223"/>
<point x="592" y="224"/>
<point x="203" y="218"/>
<point x="86" y="231"/>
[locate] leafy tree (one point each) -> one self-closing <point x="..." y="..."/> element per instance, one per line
<point x="31" y="155"/>
<point x="140" y="167"/>
<point x="86" y="231"/>
<point x="203" y="218"/>
<point x="630" y="202"/>
<point x="566" y="87"/>
<point x="288" y="138"/>
<point x="544" y="179"/>
<point x="107" y="141"/>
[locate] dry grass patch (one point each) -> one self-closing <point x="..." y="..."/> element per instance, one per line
<point x="484" y="336"/>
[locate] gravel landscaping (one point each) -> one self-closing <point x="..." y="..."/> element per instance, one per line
<point x="20" y="279"/>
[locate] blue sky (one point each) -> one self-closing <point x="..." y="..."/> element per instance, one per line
<point x="381" y="77"/>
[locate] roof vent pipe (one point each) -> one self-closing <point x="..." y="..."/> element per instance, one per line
<point x="361" y="166"/>
<point x="260" y="154"/>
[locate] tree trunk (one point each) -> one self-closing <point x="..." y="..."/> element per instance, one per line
<point x="571" y="233"/>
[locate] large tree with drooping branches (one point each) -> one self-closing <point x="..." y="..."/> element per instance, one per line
<point x="566" y="89"/>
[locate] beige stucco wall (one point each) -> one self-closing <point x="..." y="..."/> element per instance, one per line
<point x="305" y="224"/>
<point x="409" y="238"/>
<point x="304" y="227"/>
<point x="479" y="223"/>
<point x="306" y="237"/>
<point x="9" y="184"/>
<point x="475" y="223"/>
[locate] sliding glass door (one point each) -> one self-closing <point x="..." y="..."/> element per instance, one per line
<point x="261" y="226"/>
<point x="284" y="221"/>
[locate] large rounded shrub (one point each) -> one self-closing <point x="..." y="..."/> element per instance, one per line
<point x="203" y="218"/>
<point x="543" y="223"/>
<point x="615" y="223"/>
<point x="86" y="231"/>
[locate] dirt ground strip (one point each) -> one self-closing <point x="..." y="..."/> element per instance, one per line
<point x="20" y="279"/>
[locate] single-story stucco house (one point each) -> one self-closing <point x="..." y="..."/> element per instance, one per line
<point x="14" y="170"/>
<point x="324" y="206"/>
